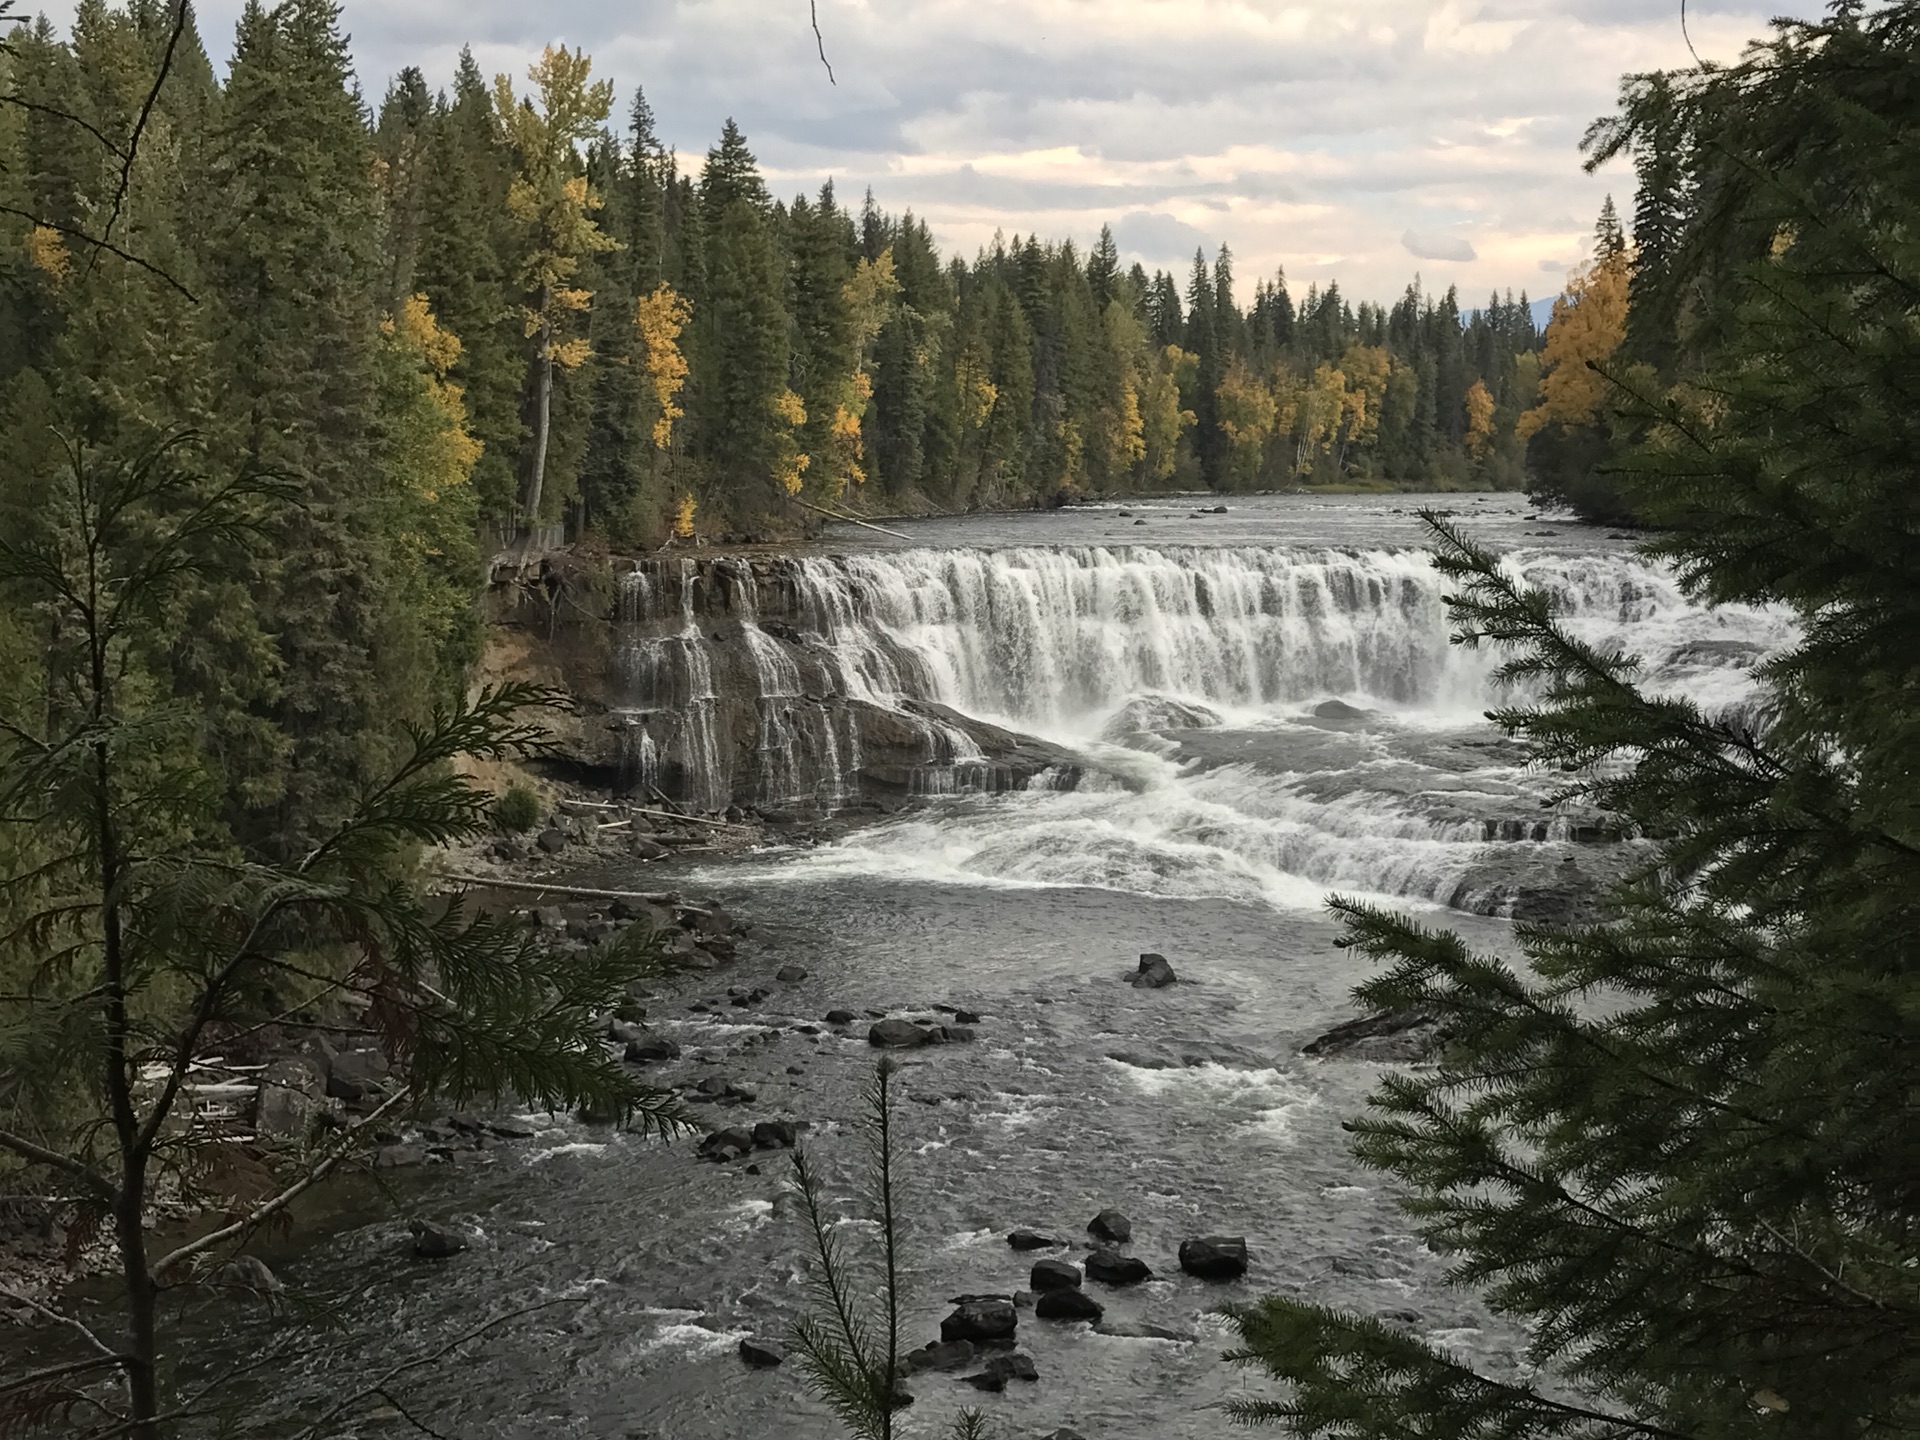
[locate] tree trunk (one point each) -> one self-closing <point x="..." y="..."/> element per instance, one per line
<point x="543" y="410"/>
<point x="143" y="1298"/>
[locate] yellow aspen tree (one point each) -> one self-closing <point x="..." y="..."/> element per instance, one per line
<point x="434" y="450"/>
<point x="554" y="205"/>
<point x="869" y="295"/>
<point x="1479" y="436"/>
<point x="1247" y="410"/>
<point x="683" y="514"/>
<point x="790" y="461"/>
<point x="1588" y="325"/>
<point x="47" y="253"/>
<point x="660" y="317"/>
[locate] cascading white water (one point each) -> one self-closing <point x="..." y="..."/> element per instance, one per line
<point x="1091" y="643"/>
<point x="1053" y="638"/>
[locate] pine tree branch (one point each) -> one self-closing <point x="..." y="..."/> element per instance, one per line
<point x="813" y="11"/>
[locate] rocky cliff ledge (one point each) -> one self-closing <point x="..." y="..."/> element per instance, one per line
<point x="728" y="680"/>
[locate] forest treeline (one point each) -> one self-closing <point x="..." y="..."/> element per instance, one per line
<point x="499" y="304"/>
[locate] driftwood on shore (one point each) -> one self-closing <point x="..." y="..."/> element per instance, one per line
<point x="578" y="892"/>
<point x="852" y="520"/>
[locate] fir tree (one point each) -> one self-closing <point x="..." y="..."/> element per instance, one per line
<point x="1677" y="1146"/>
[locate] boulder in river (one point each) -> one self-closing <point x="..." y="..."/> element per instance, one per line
<point x="984" y="1320"/>
<point x="790" y="974"/>
<point x="1337" y="710"/>
<point x="728" y="1144"/>
<point x="434" y="1242"/>
<point x="841" y="1017"/>
<point x="1154" y="973"/>
<point x="1404" y="1034"/>
<point x="1214" y="1257"/>
<point x="940" y="1355"/>
<point x="899" y="1035"/>
<point x="1032" y="1240"/>
<point x="1002" y="1368"/>
<point x="1110" y="1267"/>
<point x="1069" y="1305"/>
<point x="1111" y="1226"/>
<point x="775" y="1135"/>
<point x="761" y="1354"/>
<point x="1054" y="1275"/>
<point x="647" y="1049"/>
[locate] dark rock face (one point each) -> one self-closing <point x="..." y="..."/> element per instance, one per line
<point x="1214" y="1257"/>
<point x="1032" y="1240"/>
<point x="790" y="974"/>
<point x="1154" y="973"/>
<point x="1111" y="1226"/>
<point x="761" y="1354"/>
<point x="841" y="1017"/>
<point x="1110" y="1267"/>
<point x="1054" y="1275"/>
<point x="899" y="1035"/>
<point x="1395" y="1035"/>
<point x="704" y="679"/>
<point x="1069" y="1305"/>
<point x="1337" y="710"/>
<point x="983" y="1320"/>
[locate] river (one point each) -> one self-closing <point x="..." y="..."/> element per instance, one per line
<point x="1270" y="712"/>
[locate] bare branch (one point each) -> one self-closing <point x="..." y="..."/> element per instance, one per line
<point x="70" y="1321"/>
<point x="132" y="151"/>
<point x="813" y="12"/>
<point x="98" y="244"/>
<point x="325" y="1167"/>
<point x="40" y="1155"/>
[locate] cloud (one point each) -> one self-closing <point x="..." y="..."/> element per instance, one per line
<point x="1438" y="245"/>
<point x="1331" y="140"/>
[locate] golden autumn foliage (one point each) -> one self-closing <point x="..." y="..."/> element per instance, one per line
<point x="1364" y="370"/>
<point x="1588" y="325"/>
<point x="555" y="204"/>
<point x="660" y="318"/>
<point x="1479" y="433"/>
<point x="433" y="451"/>
<point x="1248" y="410"/>
<point x="683" y="514"/>
<point x="47" y="253"/>
<point x="790" y="461"/>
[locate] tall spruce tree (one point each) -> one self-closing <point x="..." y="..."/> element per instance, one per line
<point x="1678" y="1147"/>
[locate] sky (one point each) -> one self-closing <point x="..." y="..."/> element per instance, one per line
<point x="1363" y="140"/>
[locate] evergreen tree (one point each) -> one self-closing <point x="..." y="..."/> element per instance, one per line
<point x="1677" y="1146"/>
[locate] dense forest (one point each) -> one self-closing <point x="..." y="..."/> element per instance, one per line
<point x="500" y="283"/>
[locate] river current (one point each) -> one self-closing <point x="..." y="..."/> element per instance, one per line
<point x="1271" y="713"/>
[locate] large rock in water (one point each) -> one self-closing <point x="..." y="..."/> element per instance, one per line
<point x="982" y="1321"/>
<point x="1069" y="1305"/>
<point x="1214" y="1257"/>
<point x="1053" y="1275"/>
<point x="899" y="1035"/>
<point x="1404" y="1034"/>
<point x="1154" y="973"/>
<point x="1032" y="1240"/>
<point x="1110" y="1267"/>
<point x="1111" y="1226"/>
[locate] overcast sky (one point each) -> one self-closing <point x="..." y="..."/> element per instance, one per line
<point x="1358" y="139"/>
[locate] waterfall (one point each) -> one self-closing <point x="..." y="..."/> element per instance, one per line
<point x="771" y="681"/>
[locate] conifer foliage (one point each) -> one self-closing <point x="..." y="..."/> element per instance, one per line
<point x="1679" y="1147"/>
